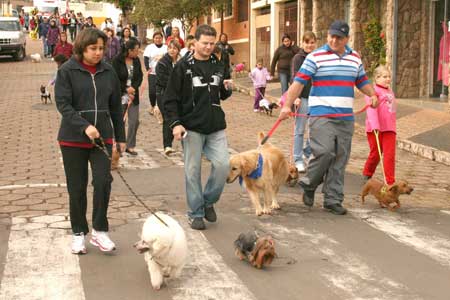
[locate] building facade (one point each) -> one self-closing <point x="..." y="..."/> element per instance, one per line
<point x="412" y="29"/>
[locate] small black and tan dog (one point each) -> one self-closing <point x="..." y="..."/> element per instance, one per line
<point x="45" y="95"/>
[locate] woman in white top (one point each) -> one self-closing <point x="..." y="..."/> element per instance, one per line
<point x="152" y="54"/>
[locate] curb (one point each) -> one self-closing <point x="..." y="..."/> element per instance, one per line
<point x="407" y="145"/>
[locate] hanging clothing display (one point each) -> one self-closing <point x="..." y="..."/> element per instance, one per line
<point x="444" y="59"/>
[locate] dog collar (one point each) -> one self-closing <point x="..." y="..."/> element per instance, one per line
<point x="256" y="173"/>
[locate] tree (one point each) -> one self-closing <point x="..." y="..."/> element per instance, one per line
<point x="159" y="12"/>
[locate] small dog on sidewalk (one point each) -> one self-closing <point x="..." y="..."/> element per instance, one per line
<point x="386" y="194"/>
<point x="36" y="58"/>
<point x="45" y="95"/>
<point x="258" y="251"/>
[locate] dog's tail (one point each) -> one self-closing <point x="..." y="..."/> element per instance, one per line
<point x="261" y="136"/>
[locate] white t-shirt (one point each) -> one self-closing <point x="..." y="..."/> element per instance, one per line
<point x="154" y="54"/>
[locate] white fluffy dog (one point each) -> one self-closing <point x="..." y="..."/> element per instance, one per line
<point x="36" y="57"/>
<point x="164" y="246"/>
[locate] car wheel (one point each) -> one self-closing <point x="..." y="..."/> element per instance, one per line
<point x="20" y="55"/>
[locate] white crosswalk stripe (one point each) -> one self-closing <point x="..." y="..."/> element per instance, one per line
<point x="142" y="161"/>
<point x="408" y="232"/>
<point x="39" y="265"/>
<point x="206" y="276"/>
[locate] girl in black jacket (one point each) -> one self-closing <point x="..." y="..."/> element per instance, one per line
<point x="163" y="70"/>
<point x="128" y="68"/>
<point x="87" y="93"/>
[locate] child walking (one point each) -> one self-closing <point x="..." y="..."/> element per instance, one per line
<point x="381" y="121"/>
<point x="259" y="76"/>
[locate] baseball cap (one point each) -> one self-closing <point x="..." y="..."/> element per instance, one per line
<point x="339" y="28"/>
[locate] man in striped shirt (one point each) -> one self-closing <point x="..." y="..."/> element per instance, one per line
<point x="335" y="69"/>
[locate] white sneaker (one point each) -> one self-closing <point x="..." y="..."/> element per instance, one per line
<point x="102" y="241"/>
<point x="168" y="151"/>
<point x="300" y="167"/>
<point x="78" y="244"/>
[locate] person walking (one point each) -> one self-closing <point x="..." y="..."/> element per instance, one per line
<point x="259" y="76"/>
<point x="301" y="103"/>
<point x="226" y="50"/>
<point x="175" y="35"/>
<point x="42" y="31"/>
<point x="63" y="46"/>
<point x="382" y="122"/>
<point x="282" y="60"/>
<point x="87" y="93"/>
<point x="332" y="92"/>
<point x="73" y="24"/>
<point x="163" y="70"/>
<point x="152" y="54"/>
<point x="128" y="68"/>
<point x="192" y="109"/>
<point x="112" y="45"/>
<point x="52" y="37"/>
<point x="126" y="35"/>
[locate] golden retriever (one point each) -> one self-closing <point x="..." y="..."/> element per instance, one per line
<point x="275" y="172"/>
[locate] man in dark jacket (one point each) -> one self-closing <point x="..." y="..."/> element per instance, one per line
<point x="192" y="108"/>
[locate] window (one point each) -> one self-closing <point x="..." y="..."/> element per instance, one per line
<point x="242" y="9"/>
<point x="227" y="10"/>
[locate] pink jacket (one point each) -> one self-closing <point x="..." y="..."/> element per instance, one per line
<point x="259" y="77"/>
<point x="383" y="117"/>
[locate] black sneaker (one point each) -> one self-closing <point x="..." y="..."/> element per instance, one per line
<point x="210" y="214"/>
<point x="197" y="223"/>
<point x="336" y="209"/>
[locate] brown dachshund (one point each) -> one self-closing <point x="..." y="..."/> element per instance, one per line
<point x="386" y="194"/>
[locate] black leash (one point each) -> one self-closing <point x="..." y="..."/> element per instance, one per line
<point x="139" y="199"/>
<point x="100" y="144"/>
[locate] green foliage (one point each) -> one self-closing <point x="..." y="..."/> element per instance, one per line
<point x="375" y="42"/>
<point x="159" y="12"/>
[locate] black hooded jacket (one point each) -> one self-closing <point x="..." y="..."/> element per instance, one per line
<point x="193" y="94"/>
<point x="85" y="99"/>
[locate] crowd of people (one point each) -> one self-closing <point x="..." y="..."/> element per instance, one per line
<point x="187" y="80"/>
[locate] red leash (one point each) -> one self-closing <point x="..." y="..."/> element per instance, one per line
<point x="274" y="127"/>
<point x="278" y="122"/>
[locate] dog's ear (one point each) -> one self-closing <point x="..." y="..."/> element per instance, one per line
<point x="141" y="246"/>
<point x="393" y="188"/>
<point x="248" y="163"/>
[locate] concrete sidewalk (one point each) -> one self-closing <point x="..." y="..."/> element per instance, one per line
<point x="423" y="127"/>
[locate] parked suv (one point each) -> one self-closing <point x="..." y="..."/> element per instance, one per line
<point x="12" y="38"/>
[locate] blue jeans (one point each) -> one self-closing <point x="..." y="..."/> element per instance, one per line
<point x="300" y="125"/>
<point x="215" y="148"/>
<point x="284" y="80"/>
<point x="44" y="42"/>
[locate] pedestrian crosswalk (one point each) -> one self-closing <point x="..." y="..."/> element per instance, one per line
<point x="354" y="257"/>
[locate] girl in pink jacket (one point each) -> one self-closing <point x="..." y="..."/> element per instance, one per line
<point x="381" y="119"/>
<point x="259" y="76"/>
